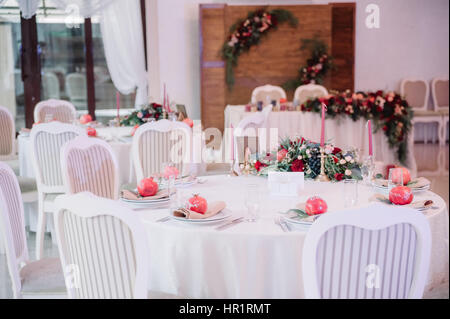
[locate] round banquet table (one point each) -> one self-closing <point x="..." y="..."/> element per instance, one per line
<point x="254" y="259"/>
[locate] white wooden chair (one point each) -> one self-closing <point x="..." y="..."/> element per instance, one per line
<point x="50" y="85"/>
<point x="76" y="89"/>
<point x="309" y="91"/>
<point x="252" y="127"/>
<point x="37" y="279"/>
<point x="89" y="164"/>
<point x="55" y="110"/>
<point x="47" y="140"/>
<point x="155" y="143"/>
<point x="370" y="253"/>
<point x="103" y="248"/>
<point x="267" y="93"/>
<point x="439" y="92"/>
<point x="8" y="145"/>
<point x="417" y="92"/>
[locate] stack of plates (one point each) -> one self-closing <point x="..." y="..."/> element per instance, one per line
<point x="150" y="203"/>
<point x="224" y="214"/>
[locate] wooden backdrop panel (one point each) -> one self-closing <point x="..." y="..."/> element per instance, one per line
<point x="274" y="61"/>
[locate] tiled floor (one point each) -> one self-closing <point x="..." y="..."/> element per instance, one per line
<point x="432" y="162"/>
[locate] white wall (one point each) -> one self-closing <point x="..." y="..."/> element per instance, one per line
<point x="412" y="41"/>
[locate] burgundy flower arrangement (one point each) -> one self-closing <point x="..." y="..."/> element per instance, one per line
<point x="248" y="32"/>
<point x="388" y="111"/>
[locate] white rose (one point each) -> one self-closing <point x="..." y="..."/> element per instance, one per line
<point x="299" y="157"/>
<point x="348" y="172"/>
<point x="307" y="152"/>
<point x="342" y="161"/>
<point x="348" y="158"/>
<point x="352" y="161"/>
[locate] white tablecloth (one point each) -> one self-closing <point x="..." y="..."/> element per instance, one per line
<point x="342" y="131"/>
<point x="253" y="260"/>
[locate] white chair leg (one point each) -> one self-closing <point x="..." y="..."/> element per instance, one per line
<point x="441" y="133"/>
<point x="40" y="228"/>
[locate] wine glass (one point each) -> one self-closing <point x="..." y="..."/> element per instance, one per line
<point x="169" y="172"/>
<point x="395" y="178"/>
<point x="350" y="192"/>
<point x="252" y="202"/>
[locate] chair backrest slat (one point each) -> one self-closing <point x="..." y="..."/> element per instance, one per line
<point x="47" y="140"/>
<point x="416" y="92"/>
<point x="89" y="164"/>
<point x="55" y="110"/>
<point x="267" y="93"/>
<point x="439" y="91"/>
<point x="384" y="254"/>
<point x="12" y="224"/>
<point x="7" y="134"/>
<point x="103" y="245"/>
<point x="159" y="142"/>
<point x="309" y="91"/>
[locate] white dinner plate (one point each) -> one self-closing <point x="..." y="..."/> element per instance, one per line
<point x="224" y="214"/>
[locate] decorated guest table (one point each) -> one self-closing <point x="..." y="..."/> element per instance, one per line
<point x="341" y="131"/>
<point x="254" y="259"/>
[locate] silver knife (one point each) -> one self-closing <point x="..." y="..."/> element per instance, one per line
<point x="233" y="222"/>
<point x="163" y="219"/>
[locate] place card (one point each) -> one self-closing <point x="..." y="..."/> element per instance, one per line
<point x="286" y="183"/>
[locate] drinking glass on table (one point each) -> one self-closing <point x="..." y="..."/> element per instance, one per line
<point x="395" y="178"/>
<point x="252" y="202"/>
<point x="350" y="192"/>
<point x="169" y="172"/>
<point x="367" y="168"/>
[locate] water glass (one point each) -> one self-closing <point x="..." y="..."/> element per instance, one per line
<point x="350" y="192"/>
<point x="169" y="178"/>
<point x="367" y="169"/>
<point x="395" y="178"/>
<point x="252" y="202"/>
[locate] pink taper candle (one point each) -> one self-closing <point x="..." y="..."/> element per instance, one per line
<point x="164" y="94"/>
<point x="369" y="128"/>
<point x="118" y="103"/>
<point x="322" y="133"/>
<point x="232" y="143"/>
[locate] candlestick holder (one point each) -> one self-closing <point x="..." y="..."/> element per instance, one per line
<point x="322" y="177"/>
<point x="232" y="171"/>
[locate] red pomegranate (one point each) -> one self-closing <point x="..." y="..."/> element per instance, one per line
<point x="147" y="187"/>
<point x="198" y="204"/>
<point x="91" y="131"/>
<point x="401" y="171"/>
<point x="281" y="154"/>
<point x="401" y="195"/>
<point x="85" y="118"/>
<point x="134" y="129"/>
<point x="189" y="122"/>
<point x="315" y="206"/>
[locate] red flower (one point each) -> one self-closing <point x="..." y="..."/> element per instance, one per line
<point x="335" y="159"/>
<point x="259" y="165"/>
<point x="339" y="176"/>
<point x="385" y="128"/>
<point x="297" y="165"/>
<point x="336" y="150"/>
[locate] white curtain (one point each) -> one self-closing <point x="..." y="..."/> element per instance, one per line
<point x="123" y="41"/>
<point x="83" y="8"/>
<point x="7" y="90"/>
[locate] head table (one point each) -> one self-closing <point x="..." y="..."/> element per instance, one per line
<point x="342" y="131"/>
<point x="254" y="259"/>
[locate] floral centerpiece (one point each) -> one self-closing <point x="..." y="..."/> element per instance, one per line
<point x="389" y="112"/>
<point x="301" y="155"/>
<point x="138" y="117"/>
